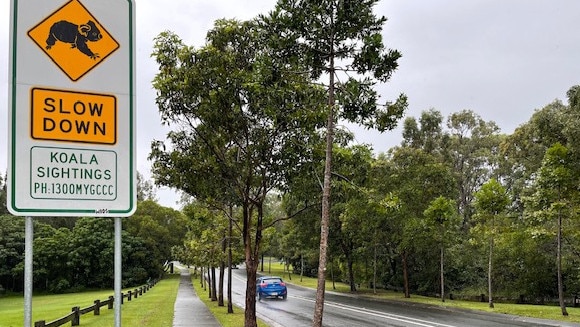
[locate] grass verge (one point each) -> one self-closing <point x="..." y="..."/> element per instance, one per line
<point x="534" y="311"/>
<point x="153" y="309"/>
<point x="226" y="319"/>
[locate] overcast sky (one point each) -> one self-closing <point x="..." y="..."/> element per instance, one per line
<point x="503" y="59"/>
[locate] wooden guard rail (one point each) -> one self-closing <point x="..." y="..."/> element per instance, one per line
<point x="75" y="316"/>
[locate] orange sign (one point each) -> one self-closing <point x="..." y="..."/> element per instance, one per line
<point x="73" y="39"/>
<point x="73" y="116"/>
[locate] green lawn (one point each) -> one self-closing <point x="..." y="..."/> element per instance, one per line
<point x="535" y="311"/>
<point x="153" y="309"/>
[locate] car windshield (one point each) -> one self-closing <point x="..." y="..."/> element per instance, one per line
<point x="272" y="281"/>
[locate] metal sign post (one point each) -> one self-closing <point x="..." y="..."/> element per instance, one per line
<point x="28" y="250"/>
<point x="118" y="270"/>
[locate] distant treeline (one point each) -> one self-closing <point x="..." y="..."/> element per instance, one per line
<point x="77" y="253"/>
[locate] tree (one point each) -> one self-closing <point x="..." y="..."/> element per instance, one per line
<point x="490" y="201"/>
<point x="51" y="255"/>
<point x="428" y="136"/>
<point x="241" y="126"/>
<point x="11" y="251"/>
<point x="472" y="147"/>
<point x="145" y="189"/>
<point x="556" y="187"/>
<point x="352" y="165"/>
<point x="92" y="240"/>
<point x="416" y="178"/>
<point x="331" y="36"/>
<point x="160" y="229"/>
<point x="525" y="148"/>
<point x="441" y="218"/>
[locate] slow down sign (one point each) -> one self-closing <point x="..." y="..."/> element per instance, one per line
<point x="73" y="116"/>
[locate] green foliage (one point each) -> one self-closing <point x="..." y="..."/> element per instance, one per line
<point x="145" y="189"/>
<point x="441" y="220"/>
<point x="11" y="251"/>
<point x="320" y="34"/>
<point x="492" y="198"/>
<point x="82" y="257"/>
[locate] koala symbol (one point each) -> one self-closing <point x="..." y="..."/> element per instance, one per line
<point x="76" y="35"/>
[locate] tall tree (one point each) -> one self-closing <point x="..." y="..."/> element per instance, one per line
<point x="472" y="145"/>
<point x="441" y="218"/>
<point x="416" y="178"/>
<point x="330" y="37"/>
<point x="428" y="135"/>
<point x="556" y="187"/>
<point x="525" y="148"/>
<point x="241" y="125"/>
<point x="160" y="228"/>
<point x="490" y="201"/>
<point x="145" y="189"/>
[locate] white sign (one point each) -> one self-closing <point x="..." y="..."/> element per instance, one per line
<point x="72" y="108"/>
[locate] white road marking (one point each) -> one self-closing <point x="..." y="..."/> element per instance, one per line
<point x="409" y="320"/>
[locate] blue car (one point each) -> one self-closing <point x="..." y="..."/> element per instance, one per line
<point x="271" y="287"/>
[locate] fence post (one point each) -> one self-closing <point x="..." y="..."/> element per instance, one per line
<point x="97" y="307"/>
<point x="76" y="319"/>
<point x="122" y="298"/>
<point x="129" y="296"/>
<point x="111" y="301"/>
<point x="141" y="290"/>
<point x="41" y="323"/>
<point x="136" y="293"/>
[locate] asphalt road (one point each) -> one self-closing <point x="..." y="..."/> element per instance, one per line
<point x="350" y="311"/>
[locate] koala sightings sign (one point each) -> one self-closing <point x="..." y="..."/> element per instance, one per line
<point x="72" y="108"/>
<point x="74" y="47"/>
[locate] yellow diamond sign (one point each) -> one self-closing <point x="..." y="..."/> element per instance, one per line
<point x="73" y="39"/>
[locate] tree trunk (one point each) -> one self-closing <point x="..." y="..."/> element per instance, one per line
<point x="442" y="277"/>
<point x="213" y="285"/>
<point x="209" y="282"/>
<point x="489" y="271"/>
<point x="301" y="267"/>
<point x="375" y="270"/>
<point x="252" y="254"/>
<point x="288" y="268"/>
<point x="332" y="274"/>
<point x="222" y="273"/>
<point x="230" y="232"/>
<point x="262" y="263"/>
<point x="405" y="275"/>
<point x="250" y="312"/>
<point x="325" y="217"/>
<point x="559" y="259"/>
<point x="349" y="263"/>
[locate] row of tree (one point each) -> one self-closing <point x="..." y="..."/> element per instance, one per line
<point x="492" y="213"/>
<point x="249" y="109"/>
<point x="457" y="208"/>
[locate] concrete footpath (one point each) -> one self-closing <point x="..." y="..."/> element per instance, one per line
<point x="189" y="310"/>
